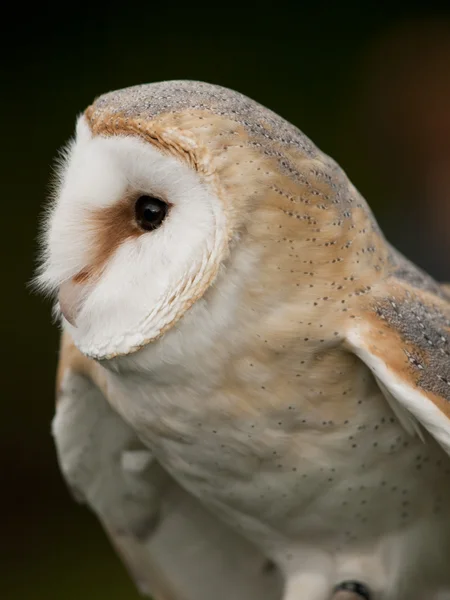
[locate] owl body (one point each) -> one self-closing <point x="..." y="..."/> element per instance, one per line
<point x="300" y="471"/>
<point x="238" y="314"/>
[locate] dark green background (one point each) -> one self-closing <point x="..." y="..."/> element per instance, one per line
<point x="370" y="86"/>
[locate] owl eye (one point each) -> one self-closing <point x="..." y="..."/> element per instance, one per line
<point x="150" y="212"/>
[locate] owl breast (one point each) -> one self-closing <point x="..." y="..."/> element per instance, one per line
<point x="295" y="467"/>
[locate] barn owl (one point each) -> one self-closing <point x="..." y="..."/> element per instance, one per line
<point x="253" y="386"/>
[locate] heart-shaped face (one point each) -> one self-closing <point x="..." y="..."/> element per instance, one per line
<point x="134" y="239"/>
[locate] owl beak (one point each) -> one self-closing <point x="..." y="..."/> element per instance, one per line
<point x="71" y="295"/>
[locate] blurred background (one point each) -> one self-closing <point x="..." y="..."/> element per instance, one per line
<point x="370" y="86"/>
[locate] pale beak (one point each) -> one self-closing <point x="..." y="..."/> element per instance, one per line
<point x="71" y="296"/>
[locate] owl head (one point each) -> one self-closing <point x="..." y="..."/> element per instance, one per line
<point x="167" y="186"/>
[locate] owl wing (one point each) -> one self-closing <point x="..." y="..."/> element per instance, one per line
<point x="402" y="333"/>
<point x="172" y="546"/>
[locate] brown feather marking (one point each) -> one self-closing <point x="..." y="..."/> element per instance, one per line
<point x="111" y="226"/>
<point x="110" y="125"/>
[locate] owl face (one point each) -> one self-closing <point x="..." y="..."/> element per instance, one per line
<point x="134" y="238"/>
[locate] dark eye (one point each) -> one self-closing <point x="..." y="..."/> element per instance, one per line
<point x="150" y="212"/>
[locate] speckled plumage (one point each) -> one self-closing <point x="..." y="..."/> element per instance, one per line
<point x="292" y="397"/>
<point x="424" y="329"/>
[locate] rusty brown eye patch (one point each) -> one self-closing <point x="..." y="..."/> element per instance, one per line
<point x="132" y="216"/>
